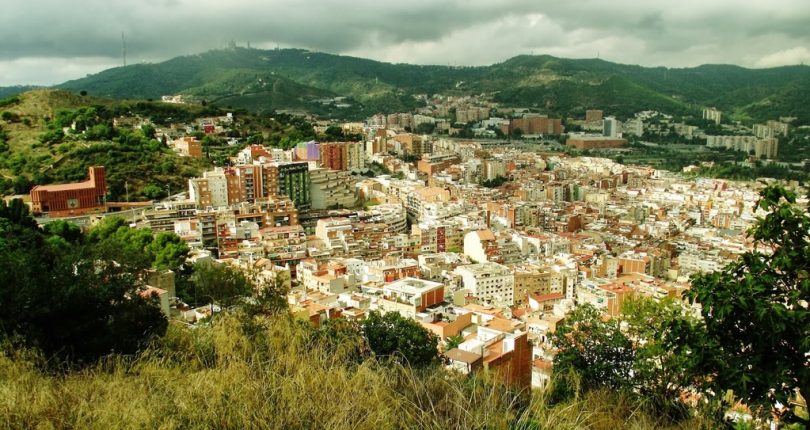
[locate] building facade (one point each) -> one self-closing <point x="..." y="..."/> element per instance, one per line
<point x="71" y="199"/>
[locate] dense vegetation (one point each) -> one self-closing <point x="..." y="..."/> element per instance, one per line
<point x="75" y="297"/>
<point x="49" y="136"/>
<point x="277" y="373"/>
<point x="36" y="149"/>
<point x="263" y="80"/>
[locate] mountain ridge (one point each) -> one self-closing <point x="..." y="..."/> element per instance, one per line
<point x="550" y="84"/>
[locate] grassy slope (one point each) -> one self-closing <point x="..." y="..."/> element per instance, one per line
<point x="36" y="106"/>
<point x="137" y="167"/>
<point x="279" y="377"/>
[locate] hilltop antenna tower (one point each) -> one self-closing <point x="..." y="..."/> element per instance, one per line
<point x="124" y="49"/>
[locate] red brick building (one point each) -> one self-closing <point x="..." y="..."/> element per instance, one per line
<point x="71" y="199"/>
<point x="535" y="125"/>
<point x="334" y="156"/>
<point x="593" y="115"/>
<point x="595" y="142"/>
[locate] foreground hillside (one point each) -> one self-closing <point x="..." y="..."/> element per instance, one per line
<point x="263" y="80"/>
<point x="275" y="374"/>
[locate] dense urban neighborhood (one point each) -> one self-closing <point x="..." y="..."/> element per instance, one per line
<point x="489" y="233"/>
<point x="284" y="238"/>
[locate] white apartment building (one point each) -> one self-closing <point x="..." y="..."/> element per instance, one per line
<point x="491" y="283"/>
<point x="213" y="183"/>
<point x="712" y="114"/>
<point x="692" y="262"/>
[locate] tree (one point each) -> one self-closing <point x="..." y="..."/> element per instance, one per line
<point x="136" y="248"/>
<point x="334" y="133"/>
<point x="671" y="349"/>
<point x="399" y="339"/>
<point x="270" y="295"/>
<point x="16" y="212"/>
<point x="66" y="230"/>
<point x="148" y="131"/>
<point x="453" y="342"/>
<point x="410" y="158"/>
<point x="595" y="349"/>
<point x="73" y="308"/>
<point x="655" y="350"/>
<point x="220" y="283"/>
<point x="127" y="247"/>
<point x="425" y="128"/>
<point x="168" y="251"/>
<point x="106" y="228"/>
<point x="756" y="309"/>
<point x="152" y="192"/>
<point x="494" y="182"/>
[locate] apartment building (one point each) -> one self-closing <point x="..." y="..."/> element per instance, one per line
<point x="342" y="155"/>
<point x="490" y="282"/>
<point x="331" y="189"/>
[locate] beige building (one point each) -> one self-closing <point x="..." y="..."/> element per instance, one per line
<point x="534" y="280"/>
<point x="331" y="189"/>
<point x="209" y="191"/>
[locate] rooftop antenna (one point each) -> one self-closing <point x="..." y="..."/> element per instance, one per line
<point x="124" y="48"/>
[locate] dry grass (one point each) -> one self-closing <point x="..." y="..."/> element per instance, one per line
<point x="222" y="377"/>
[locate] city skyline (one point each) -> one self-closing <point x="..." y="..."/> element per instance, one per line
<point x="45" y="42"/>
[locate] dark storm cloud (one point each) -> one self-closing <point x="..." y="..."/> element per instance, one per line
<point x="59" y="28"/>
<point x="46" y="41"/>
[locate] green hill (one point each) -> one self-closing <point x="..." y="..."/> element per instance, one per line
<point x="34" y="149"/>
<point x="13" y="91"/>
<point x="262" y="80"/>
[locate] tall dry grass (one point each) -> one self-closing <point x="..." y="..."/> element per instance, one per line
<point x="239" y="374"/>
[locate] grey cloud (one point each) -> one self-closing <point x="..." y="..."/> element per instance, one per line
<point x="683" y="33"/>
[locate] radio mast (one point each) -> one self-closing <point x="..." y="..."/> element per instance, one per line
<point x="124" y="49"/>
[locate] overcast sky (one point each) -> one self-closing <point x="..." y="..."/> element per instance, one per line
<point x="50" y="41"/>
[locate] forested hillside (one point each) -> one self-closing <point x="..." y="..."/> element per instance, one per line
<point x="263" y="80"/>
